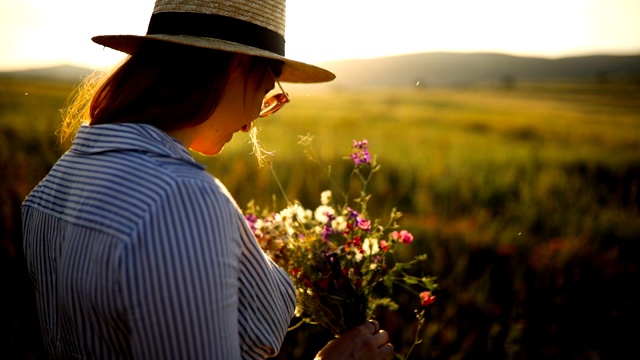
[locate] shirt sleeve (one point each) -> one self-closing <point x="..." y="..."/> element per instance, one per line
<point x="181" y="277"/>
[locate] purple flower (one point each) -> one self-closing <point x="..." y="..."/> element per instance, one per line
<point x="251" y="218"/>
<point x="363" y="144"/>
<point x="352" y="213"/>
<point x="327" y="230"/>
<point x="360" y="152"/>
<point x="251" y="221"/>
<point x="330" y="218"/>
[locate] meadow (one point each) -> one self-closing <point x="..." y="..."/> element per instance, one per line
<point x="526" y="200"/>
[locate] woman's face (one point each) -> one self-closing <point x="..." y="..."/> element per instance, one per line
<point x="239" y="107"/>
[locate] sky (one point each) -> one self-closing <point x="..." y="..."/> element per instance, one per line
<point x="39" y="33"/>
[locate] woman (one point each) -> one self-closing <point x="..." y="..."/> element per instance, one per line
<point x="137" y="252"/>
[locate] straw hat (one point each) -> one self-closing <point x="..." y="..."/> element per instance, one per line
<point x="252" y="27"/>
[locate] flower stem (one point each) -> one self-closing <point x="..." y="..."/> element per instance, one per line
<point x="284" y="194"/>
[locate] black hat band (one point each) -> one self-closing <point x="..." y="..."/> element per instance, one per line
<point x="216" y="27"/>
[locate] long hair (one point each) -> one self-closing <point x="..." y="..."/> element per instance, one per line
<point x="166" y="85"/>
<point x="169" y="86"/>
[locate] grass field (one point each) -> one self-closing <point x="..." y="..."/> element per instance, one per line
<point x="526" y="200"/>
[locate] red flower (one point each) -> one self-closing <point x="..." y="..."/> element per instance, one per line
<point x="426" y="298"/>
<point x="383" y="245"/>
<point x="322" y="283"/>
<point x="345" y="272"/>
<point x="356" y="241"/>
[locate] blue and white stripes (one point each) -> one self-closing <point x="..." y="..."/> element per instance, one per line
<point x="137" y="252"/>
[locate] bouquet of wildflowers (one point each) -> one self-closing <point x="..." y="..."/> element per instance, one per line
<point x="341" y="262"/>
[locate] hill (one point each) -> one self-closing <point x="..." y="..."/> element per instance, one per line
<point x="65" y="73"/>
<point x="459" y="69"/>
<point x="437" y="69"/>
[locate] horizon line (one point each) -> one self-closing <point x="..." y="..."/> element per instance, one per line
<point x="77" y="64"/>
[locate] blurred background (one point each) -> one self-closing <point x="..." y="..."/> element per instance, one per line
<point x="508" y="134"/>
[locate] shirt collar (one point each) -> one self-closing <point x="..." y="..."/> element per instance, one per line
<point x="129" y="137"/>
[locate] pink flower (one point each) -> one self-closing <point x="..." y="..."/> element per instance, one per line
<point x="403" y="236"/>
<point x="364" y="224"/>
<point x="406" y="237"/>
<point x="426" y="298"/>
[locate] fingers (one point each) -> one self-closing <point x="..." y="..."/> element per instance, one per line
<point x="385" y="352"/>
<point x="365" y="342"/>
<point x="376" y="326"/>
<point x="381" y="337"/>
<point x="384" y="349"/>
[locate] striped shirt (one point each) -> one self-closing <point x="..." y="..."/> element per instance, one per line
<point x="137" y="252"/>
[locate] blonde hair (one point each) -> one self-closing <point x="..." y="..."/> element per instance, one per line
<point x="76" y="110"/>
<point x="258" y="150"/>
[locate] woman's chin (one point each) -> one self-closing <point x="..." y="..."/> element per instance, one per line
<point x="209" y="151"/>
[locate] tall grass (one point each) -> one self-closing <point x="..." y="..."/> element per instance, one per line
<point x="541" y="166"/>
<point x="526" y="201"/>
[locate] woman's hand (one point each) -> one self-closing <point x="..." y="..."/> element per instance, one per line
<point x="365" y="342"/>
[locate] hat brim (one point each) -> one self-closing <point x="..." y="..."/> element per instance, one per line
<point x="292" y="71"/>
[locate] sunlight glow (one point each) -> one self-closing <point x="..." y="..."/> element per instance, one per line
<point x="357" y="29"/>
<point x="42" y="32"/>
